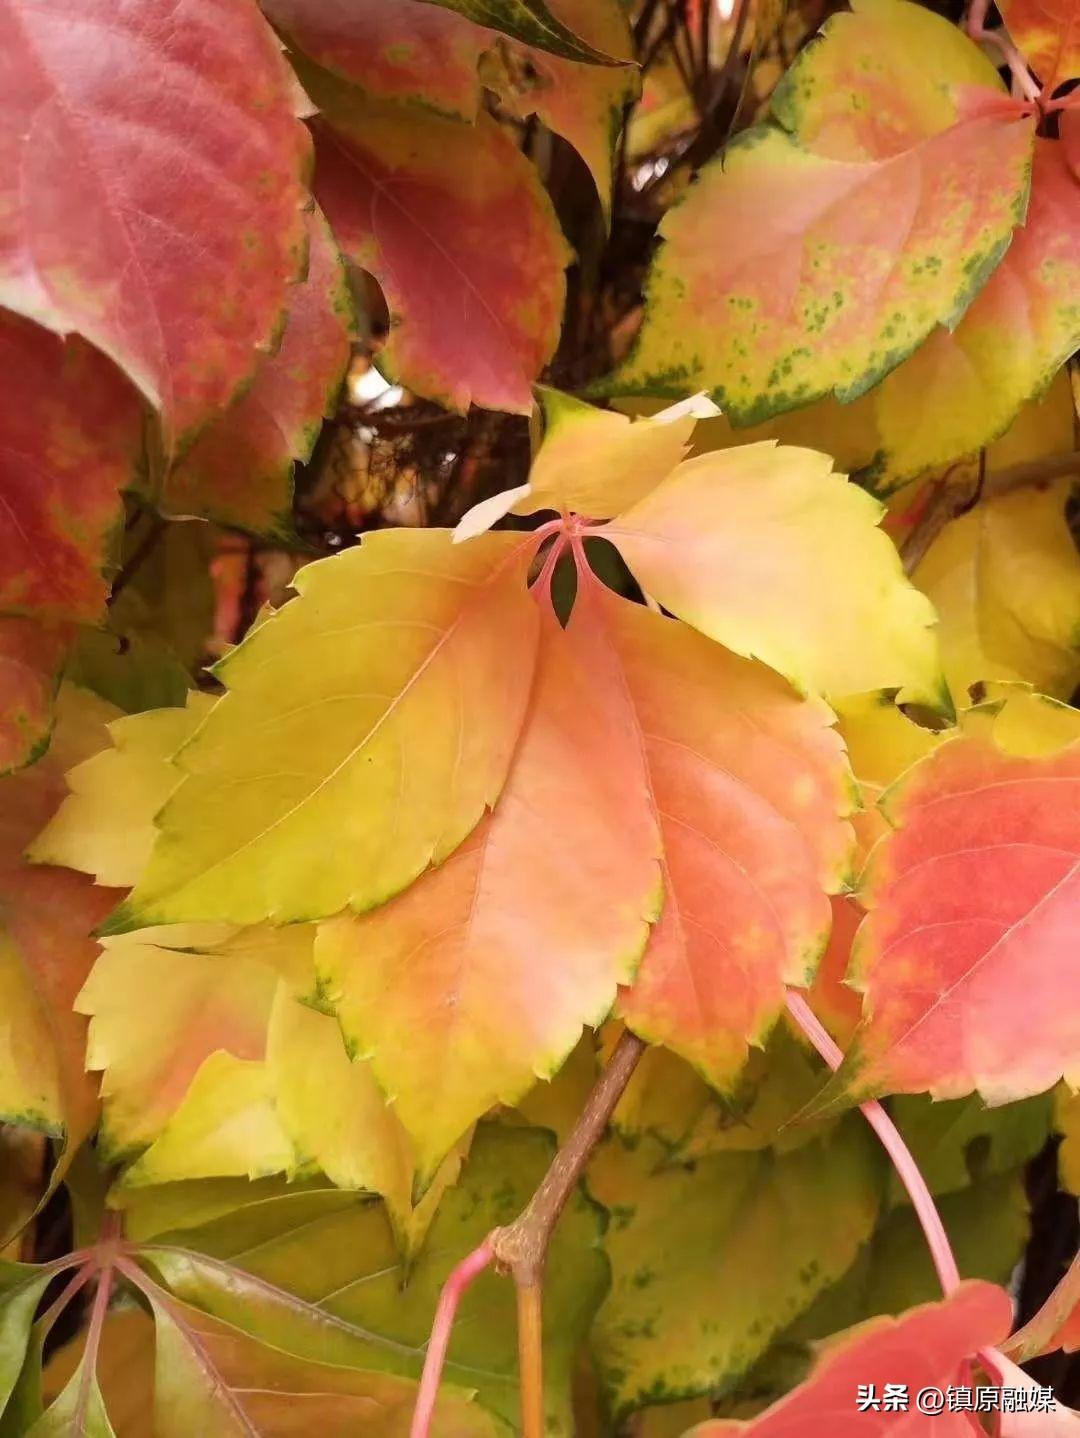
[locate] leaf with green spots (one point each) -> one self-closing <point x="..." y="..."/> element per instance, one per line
<point x="346" y="1296"/>
<point x="239" y="470"/>
<point x="848" y="266"/>
<point x="700" y="1285"/>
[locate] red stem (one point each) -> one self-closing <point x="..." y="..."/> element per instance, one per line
<point x="453" y="1291"/>
<point x="894" y="1145"/>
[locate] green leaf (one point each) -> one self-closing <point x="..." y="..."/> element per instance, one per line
<point x="342" y="1293"/>
<point x="960" y="1141"/>
<point x="711" y="1260"/>
<point x="21" y="1287"/>
<point x="529" y="21"/>
<point x="78" y="1411"/>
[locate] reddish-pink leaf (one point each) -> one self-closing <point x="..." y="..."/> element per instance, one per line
<point x="240" y="469"/>
<point x="923" y="1348"/>
<point x="968" y="954"/>
<point x="152" y="187"/>
<point x="749" y="787"/>
<point x="453" y="222"/>
<point x="72" y="431"/>
<point x="31" y="657"/>
<point x="480" y="976"/>
<point x="1048" y="32"/>
<point x="395" y="49"/>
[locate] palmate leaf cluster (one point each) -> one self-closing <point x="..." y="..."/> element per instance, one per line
<point x="311" y="957"/>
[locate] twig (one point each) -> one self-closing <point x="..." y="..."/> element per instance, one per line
<point x="521" y="1248"/>
<point x="894" y="1145"/>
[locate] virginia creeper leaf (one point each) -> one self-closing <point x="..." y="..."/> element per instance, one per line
<point x="849" y="265"/>
<point x="138" y="213"/>
<point x="45" y="945"/>
<point x="72" y="439"/>
<point x="988" y="1228"/>
<point x="211" y="1379"/>
<point x="239" y="470"/>
<point x="749" y="788"/>
<point x="453" y="222"/>
<point x="530" y="21"/>
<point x="417" y="52"/>
<point x="1048" y="32"/>
<point x="1005" y="581"/>
<point x="957" y="1142"/>
<point x="348" y="1298"/>
<point x="1020" y="329"/>
<point x="687" y="543"/>
<point x="343" y="761"/>
<point x="454" y="957"/>
<point x="694" y="1302"/>
<point x="226" y="1124"/>
<point x="972" y="900"/>
<point x="592" y="462"/>
<point x="338" y="1119"/>
<point x="879" y="79"/>
<point x="78" y="1411"/>
<point x="403" y="50"/>
<point x="882" y="743"/>
<point x="105" y="824"/>
<point x="927" y="1346"/>
<point x="21" y="1287"/>
<point x="162" y="1004"/>
<point x="31" y="658"/>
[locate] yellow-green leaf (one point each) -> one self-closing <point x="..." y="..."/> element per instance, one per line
<point x="343" y="760"/>
<point x="766" y="550"/>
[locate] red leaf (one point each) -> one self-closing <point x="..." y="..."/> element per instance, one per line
<point x="923" y="1348"/>
<point x="72" y="438"/>
<point x="31" y="657"/>
<point x="395" y="49"/>
<point x="239" y="470"/>
<point x="1059" y="1422"/>
<point x="968" y="954"/>
<point x="1048" y="32"/>
<point x="151" y="189"/>
<point x="453" y="222"/>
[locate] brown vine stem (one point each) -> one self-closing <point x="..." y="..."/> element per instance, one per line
<point x="951" y="499"/>
<point x="520" y="1249"/>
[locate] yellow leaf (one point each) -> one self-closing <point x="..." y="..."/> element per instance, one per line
<point x="105" y="826"/>
<point x="342" y="761"/>
<point x="769" y="552"/>
<point x="1005" y="580"/>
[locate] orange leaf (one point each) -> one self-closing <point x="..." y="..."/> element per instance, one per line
<point x="46" y="950"/>
<point x="967" y="957"/>
<point x="1048" y="32"/>
<point x="923" y="1348"/>
<point x="480" y="976"/>
<point x="138" y="210"/>
<point x="453" y="222"/>
<point x="72" y="439"/>
<point x="239" y="470"/>
<point x="749" y="787"/>
<point x="1056" y="1325"/>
